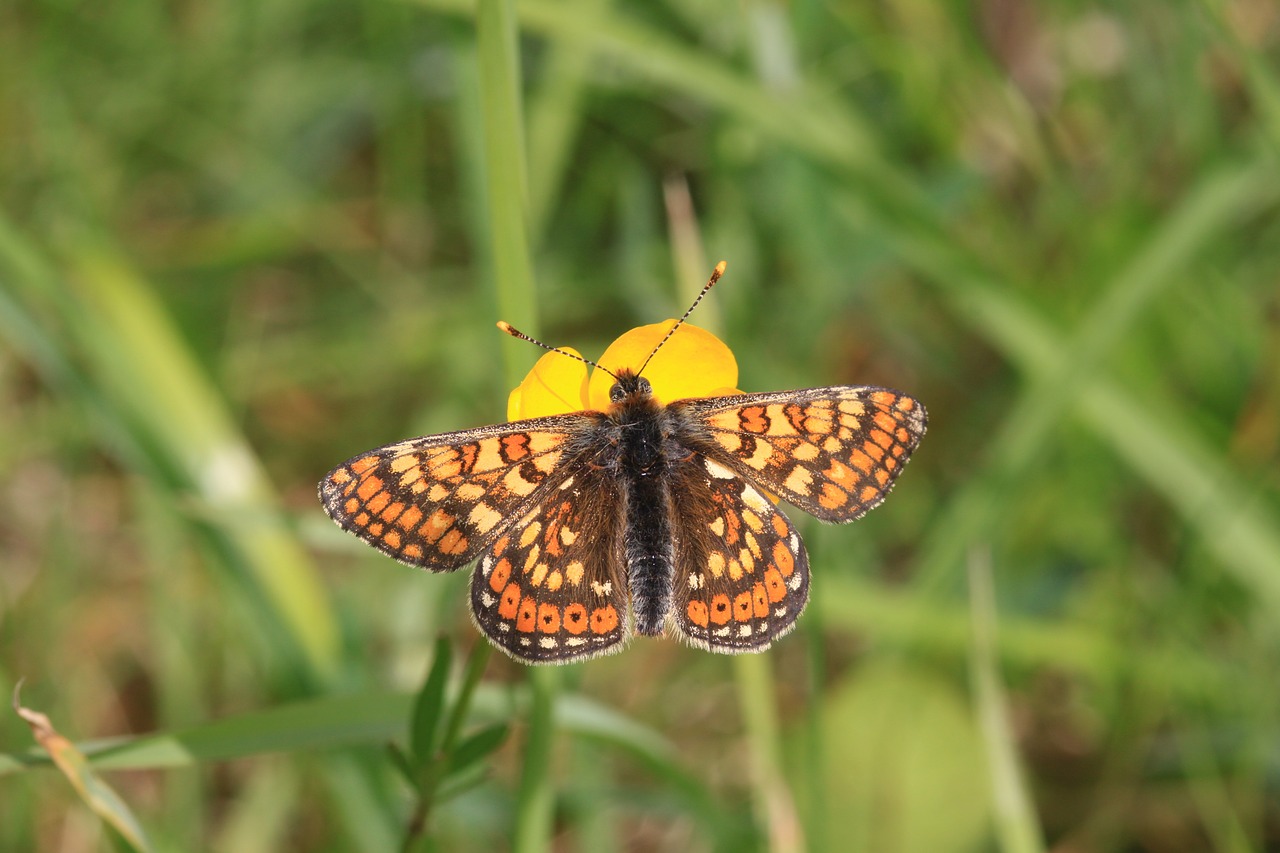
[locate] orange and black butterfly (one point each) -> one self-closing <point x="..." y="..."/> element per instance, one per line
<point x="595" y="525"/>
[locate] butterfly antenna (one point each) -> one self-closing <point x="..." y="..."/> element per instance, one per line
<point x="516" y="333"/>
<point x="715" y="276"/>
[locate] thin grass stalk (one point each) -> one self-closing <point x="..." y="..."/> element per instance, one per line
<point x="773" y="803"/>
<point x="1017" y="826"/>
<point x="507" y="195"/>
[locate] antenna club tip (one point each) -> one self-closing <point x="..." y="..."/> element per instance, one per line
<point x="505" y="326"/>
<point x="720" y="267"/>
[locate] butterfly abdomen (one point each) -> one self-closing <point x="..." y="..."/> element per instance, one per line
<point x="649" y="553"/>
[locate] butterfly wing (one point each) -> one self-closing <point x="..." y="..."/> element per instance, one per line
<point x="834" y="452"/>
<point x="438" y="501"/>
<point x="553" y="588"/>
<point x="742" y="573"/>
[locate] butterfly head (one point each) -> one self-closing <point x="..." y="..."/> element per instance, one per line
<point x="630" y="386"/>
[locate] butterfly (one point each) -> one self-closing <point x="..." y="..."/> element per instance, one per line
<point x="589" y="527"/>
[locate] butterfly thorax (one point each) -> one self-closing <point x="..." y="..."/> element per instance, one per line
<point x="639" y="416"/>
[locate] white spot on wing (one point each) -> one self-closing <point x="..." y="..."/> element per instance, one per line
<point x="715" y="469"/>
<point x="755" y="500"/>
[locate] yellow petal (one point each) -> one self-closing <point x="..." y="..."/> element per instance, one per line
<point x="556" y="385"/>
<point x="692" y="363"/>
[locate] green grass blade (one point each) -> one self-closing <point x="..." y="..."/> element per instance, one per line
<point x="1016" y="824"/>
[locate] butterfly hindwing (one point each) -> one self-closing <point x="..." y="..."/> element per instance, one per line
<point x="742" y="573"/>
<point x="552" y="588"/>
<point x="439" y="501"/>
<point x="833" y="452"/>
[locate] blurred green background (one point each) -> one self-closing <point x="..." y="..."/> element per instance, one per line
<point x="241" y="242"/>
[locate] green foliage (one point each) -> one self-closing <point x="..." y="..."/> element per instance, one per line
<point x="242" y="242"/>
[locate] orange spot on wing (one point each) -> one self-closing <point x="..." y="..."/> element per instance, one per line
<point x="697" y="613"/>
<point x="352" y="506"/>
<point x="515" y="447"/>
<point x="361" y="465"/>
<point x="548" y="618"/>
<point x="774" y="585"/>
<point x="378" y="503"/>
<point x="340" y="477"/>
<point x="760" y="601"/>
<point x="413" y="551"/>
<point x="410" y="518"/>
<point x="453" y="542"/>
<point x="527" y="617"/>
<point x="753" y="419"/>
<point x="369" y="488"/>
<point x="742" y="606"/>
<point x="861" y="461"/>
<point x="779" y="524"/>
<point x="783" y="560"/>
<point x="832" y="497"/>
<point x="575" y="618"/>
<point x="721" y="609"/>
<point x="885" y="421"/>
<point x="868" y="494"/>
<point x="435" y="527"/>
<point x="840" y="472"/>
<point x="500" y="575"/>
<point x="884" y="398"/>
<point x="604" y="619"/>
<point x="509" y="606"/>
<point x="392" y="539"/>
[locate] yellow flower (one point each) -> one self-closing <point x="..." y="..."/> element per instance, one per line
<point x="692" y="363"/>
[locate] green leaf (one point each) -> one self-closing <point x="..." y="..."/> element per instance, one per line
<point x="428" y="709"/>
<point x="477" y="746"/>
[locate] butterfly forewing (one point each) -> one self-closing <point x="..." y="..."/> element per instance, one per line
<point x="438" y="501"/>
<point x="834" y="452"/>
<point x="552" y="587"/>
<point x="742" y="573"/>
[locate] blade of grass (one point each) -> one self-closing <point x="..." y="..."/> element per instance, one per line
<point x="555" y="114"/>
<point x="507" y="194"/>
<point x="1017" y="826"/>
<point x="753" y="674"/>
<point x="95" y="792"/>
